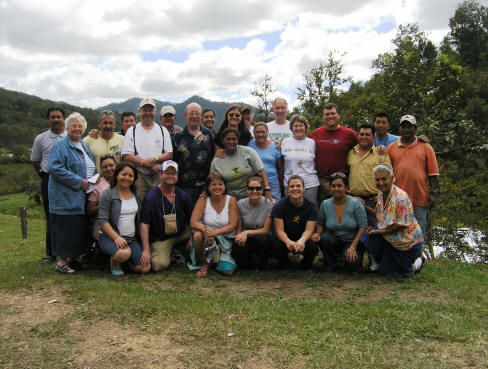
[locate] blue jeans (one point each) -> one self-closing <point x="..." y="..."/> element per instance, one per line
<point x="421" y="213"/>
<point x="107" y="245"/>
<point x="393" y="261"/>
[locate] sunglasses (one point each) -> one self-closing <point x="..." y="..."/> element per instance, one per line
<point x="107" y="157"/>
<point x="252" y="188"/>
<point x="234" y="115"/>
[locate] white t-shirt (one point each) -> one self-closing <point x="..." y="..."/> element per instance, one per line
<point x="149" y="143"/>
<point x="278" y="131"/>
<point x="128" y="211"/>
<point x="299" y="158"/>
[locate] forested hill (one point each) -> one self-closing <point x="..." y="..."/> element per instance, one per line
<point x="23" y="116"/>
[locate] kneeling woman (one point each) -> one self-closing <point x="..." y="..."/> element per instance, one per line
<point x="214" y="221"/>
<point x="252" y="237"/>
<point x="118" y="215"/>
<point x="294" y="219"/>
<point x="396" y="245"/>
<point x="342" y="219"/>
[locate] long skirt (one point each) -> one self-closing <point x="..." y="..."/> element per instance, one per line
<point x="69" y="235"/>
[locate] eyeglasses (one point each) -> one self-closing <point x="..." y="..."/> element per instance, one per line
<point x="232" y="115"/>
<point x="252" y="188"/>
<point x="338" y="174"/>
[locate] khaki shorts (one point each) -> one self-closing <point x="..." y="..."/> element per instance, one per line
<point x="161" y="250"/>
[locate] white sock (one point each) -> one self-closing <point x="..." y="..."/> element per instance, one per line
<point x="417" y="264"/>
<point x="374" y="264"/>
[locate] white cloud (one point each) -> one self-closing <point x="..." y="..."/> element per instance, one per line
<point x="89" y="52"/>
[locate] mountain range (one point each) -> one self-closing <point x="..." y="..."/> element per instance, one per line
<point x="133" y="105"/>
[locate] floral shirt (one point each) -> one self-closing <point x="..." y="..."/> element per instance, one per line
<point x="398" y="210"/>
<point x="194" y="155"/>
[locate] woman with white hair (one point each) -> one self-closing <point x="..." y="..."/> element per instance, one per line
<point x="395" y="246"/>
<point x="70" y="166"/>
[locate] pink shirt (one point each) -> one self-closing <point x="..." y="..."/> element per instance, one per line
<point x="95" y="195"/>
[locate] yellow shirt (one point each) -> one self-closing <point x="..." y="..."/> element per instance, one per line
<point x="361" y="177"/>
<point x="100" y="147"/>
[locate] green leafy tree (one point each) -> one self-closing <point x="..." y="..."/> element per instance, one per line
<point x="469" y="33"/>
<point x="320" y="86"/>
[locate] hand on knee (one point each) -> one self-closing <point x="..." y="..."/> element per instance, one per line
<point x="122" y="255"/>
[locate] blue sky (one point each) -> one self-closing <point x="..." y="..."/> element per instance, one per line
<point x="110" y="51"/>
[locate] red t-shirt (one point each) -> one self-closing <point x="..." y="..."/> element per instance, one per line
<point x="332" y="148"/>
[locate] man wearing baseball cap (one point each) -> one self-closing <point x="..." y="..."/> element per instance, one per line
<point x="165" y="217"/>
<point x="146" y="146"/>
<point x="167" y="117"/>
<point x="415" y="168"/>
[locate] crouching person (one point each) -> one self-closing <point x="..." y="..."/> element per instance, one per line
<point x="118" y="215"/>
<point x="165" y="215"/>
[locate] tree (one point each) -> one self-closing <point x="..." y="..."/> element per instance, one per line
<point x="263" y="90"/>
<point x="406" y="75"/>
<point x="320" y="86"/>
<point x="469" y="32"/>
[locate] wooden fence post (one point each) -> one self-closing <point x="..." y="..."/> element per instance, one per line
<point x="23" y="222"/>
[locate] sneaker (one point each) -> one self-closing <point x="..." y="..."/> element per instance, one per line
<point x="117" y="271"/>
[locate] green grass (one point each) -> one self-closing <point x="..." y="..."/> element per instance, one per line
<point x="16" y="177"/>
<point x="436" y="319"/>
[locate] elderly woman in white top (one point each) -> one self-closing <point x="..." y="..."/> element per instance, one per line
<point x="298" y="153"/>
<point x="70" y="166"/>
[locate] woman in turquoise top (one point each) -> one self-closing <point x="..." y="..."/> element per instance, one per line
<point x="342" y="222"/>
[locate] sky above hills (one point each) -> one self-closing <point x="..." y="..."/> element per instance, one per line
<point x="91" y="53"/>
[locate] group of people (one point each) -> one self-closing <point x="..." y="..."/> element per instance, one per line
<point x="239" y="196"/>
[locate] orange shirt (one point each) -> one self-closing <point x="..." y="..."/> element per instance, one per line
<point x="412" y="165"/>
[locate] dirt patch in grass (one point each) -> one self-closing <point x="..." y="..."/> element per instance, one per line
<point x="22" y="312"/>
<point x="331" y="288"/>
<point x="105" y="344"/>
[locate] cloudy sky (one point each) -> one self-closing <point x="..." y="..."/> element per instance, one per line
<point x="91" y="53"/>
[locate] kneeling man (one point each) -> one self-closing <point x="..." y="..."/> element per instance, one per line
<point x="165" y="215"/>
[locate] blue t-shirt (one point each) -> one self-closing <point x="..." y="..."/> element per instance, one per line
<point x="385" y="141"/>
<point x="152" y="212"/>
<point x="269" y="156"/>
<point x="354" y="217"/>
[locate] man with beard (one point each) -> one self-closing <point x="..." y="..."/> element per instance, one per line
<point x="39" y="157"/>
<point x="108" y="142"/>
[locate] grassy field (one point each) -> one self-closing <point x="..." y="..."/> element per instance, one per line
<point x="437" y="319"/>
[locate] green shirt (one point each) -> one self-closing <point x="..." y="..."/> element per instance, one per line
<point x="236" y="169"/>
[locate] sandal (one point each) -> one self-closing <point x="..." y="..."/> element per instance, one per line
<point x="115" y="272"/>
<point x="48" y="259"/>
<point x="202" y="272"/>
<point x="64" y="269"/>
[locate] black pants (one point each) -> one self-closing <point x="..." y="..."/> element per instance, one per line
<point x="45" y="203"/>
<point x="255" y="245"/>
<point x="334" y="252"/>
<point x="281" y="252"/>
